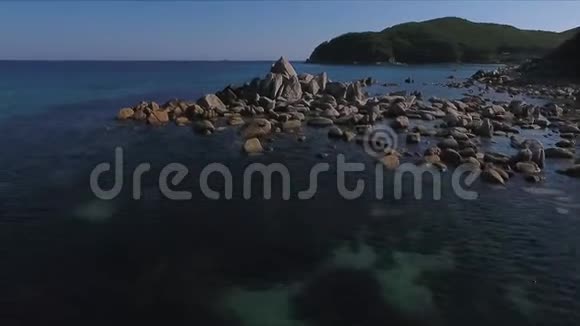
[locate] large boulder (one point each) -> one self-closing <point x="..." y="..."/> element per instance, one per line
<point x="271" y="85"/>
<point x="312" y="87"/>
<point x="158" y="117"/>
<point x="227" y="96"/>
<point x="354" y="92"/>
<point x="283" y="66"/>
<point x="292" y="90"/>
<point x="336" y="89"/>
<point x="212" y="102"/>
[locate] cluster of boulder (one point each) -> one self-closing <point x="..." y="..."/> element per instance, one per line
<point x="284" y="101"/>
<point x="509" y="80"/>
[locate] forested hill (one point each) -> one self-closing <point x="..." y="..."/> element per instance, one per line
<point x="447" y="39"/>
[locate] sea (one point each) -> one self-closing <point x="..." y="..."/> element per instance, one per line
<point x="510" y="256"/>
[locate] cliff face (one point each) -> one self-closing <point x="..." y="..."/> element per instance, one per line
<point x="439" y="40"/>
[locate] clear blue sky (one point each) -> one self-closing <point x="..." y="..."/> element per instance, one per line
<point x="194" y="30"/>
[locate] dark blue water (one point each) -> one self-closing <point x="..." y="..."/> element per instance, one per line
<point x="509" y="257"/>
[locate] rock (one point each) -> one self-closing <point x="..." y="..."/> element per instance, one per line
<point x="564" y="143"/>
<point x="348" y="135"/>
<point x="413" y="138"/>
<point x="267" y="103"/>
<point x="154" y="106"/>
<point x="472" y="163"/>
<point x="312" y="87"/>
<point x="524" y="155"/>
<point x="283" y="66"/>
<point x="533" y="178"/>
<point x="301" y="138"/>
<point x="396" y="109"/>
<point x="557" y="152"/>
<point x="391" y="162"/>
<point x="330" y="113"/>
<point x="292" y="90"/>
<point x="236" y="121"/>
<point x="271" y="85"/>
<point x="320" y="122"/>
<point x="258" y="127"/>
<point x="322" y="80"/>
<point x="354" y="92"/>
<point x="433" y="158"/>
<point x="504" y="175"/>
<point x="573" y="171"/>
<point x="139" y="115"/>
<point x="253" y="146"/>
<point x="492" y="176"/>
<point x="291" y="125"/>
<point x="125" y="114"/>
<point x="486" y="129"/>
<point x="527" y="167"/>
<point x="335" y="132"/>
<point x="212" y="102"/>
<point x="158" y="117"/>
<point x="568" y="135"/>
<point x="538" y="154"/>
<point x="496" y="158"/>
<point x="567" y="128"/>
<point x="227" y="96"/>
<point x="449" y="143"/>
<point x="450" y="156"/>
<point x="336" y="89"/>
<point x="204" y="126"/>
<point x="401" y="122"/>
<point x="182" y="121"/>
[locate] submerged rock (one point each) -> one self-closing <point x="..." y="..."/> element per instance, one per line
<point x="320" y="122"/>
<point x="125" y="113"/>
<point x="557" y="152"/>
<point x="253" y="146"/>
<point x="573" y="171"/>
<point x="257" y="128"/>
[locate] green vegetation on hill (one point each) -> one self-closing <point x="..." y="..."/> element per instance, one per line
<point x="564" y="62"/>
<point x="439" y="40"/>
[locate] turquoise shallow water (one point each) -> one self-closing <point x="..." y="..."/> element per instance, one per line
<point x="510" y="257"/>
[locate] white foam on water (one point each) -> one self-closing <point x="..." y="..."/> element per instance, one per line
<point x="95" y="211"/>
<point x="270" y="307"/>
<point x="562" y="210"/>
<point x="401" y="282"/>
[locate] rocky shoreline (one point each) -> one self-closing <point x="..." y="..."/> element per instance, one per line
<point x="286" y="102"/>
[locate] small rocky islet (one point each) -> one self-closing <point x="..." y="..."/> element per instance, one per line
<point x="286" y="102"/>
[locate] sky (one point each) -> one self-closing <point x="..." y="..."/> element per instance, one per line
<point x="233" y="30"/>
